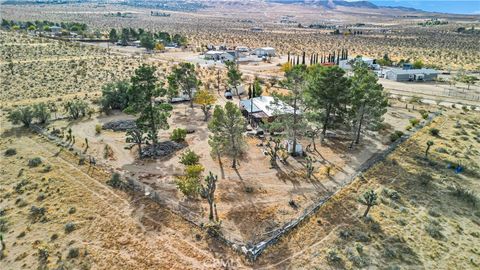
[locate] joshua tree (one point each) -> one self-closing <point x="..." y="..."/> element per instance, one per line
<point x="22" y="115"/>
<point x="429" y="144"/>
<point x="309" y="166"/>
<point x="208" y="192"/>
<point x="273" y="146"/>
<point x="369" y="199"/>
<point x="138" y="137"/>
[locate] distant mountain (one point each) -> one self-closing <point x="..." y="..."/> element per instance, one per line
<point x="329" y="3"/>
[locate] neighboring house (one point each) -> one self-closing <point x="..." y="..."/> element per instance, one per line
<point x="347" y="63"/>
<point x="265" y="52"/>
<point x="401" y="75"/>
<point x="242" y="49"/>
<point x="220" y="55"/>
<point x="256" y="29"/>
<point x="264" y="108"/>
<point x="55" y="29"/>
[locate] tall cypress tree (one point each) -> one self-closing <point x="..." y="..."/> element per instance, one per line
<point x="303" y="58"/>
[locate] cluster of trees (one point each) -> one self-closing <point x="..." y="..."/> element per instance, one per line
<point x="42" y="112"/>
<point x="43" y="25"/>
<point x="315" y="58"/>
<point x="148" y="39"/>
<point x="322" y="98"/>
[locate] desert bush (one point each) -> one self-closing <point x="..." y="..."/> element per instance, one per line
<point x="54" y="237"/>
<point x="178" y="135"/>
<point x="34" y="162"/>
<point x="391" y="193"/>
<point x="20" y="185"/>
<point x="464" y="194"/>
<point x="10" y="152"/>
<point x="73" y="253"/>
<point x="189" y="157"/>
<point x="424" y="114"/>
<point x="434" y="229"/>
<point x="189" y="183"/>
<point x="434" y="132"/>
<point x="72" y="210"/>
<point x="70" y="227"/>
<point x="332" y="256"/>
<point x="76" y="108"/>
<point x="114" y="96"/>
<point x="433" y="213"/>
<point x="22" y="115"/>
<point x="43" y="255"/>
<point x="249" y="189"/>
<point x="115" y="181"/>
<point x="414" y="122"/>
<point x="41" y="112"/>
<point x="3" y="225"/>
<point x="396" y="135"/>
<point x="98" y="129"/>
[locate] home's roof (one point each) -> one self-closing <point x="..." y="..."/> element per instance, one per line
<point x="266" y="48"/>
<point x="414" y="71"/>
<point x="267" y="105"/>
<point x="214" y="52"/>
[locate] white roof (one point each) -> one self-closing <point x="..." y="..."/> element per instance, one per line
<point x="268" y="105"/>
<point x="267" y="48"/>
<point x="413" y="71"/>
<point x="214" y="52"/>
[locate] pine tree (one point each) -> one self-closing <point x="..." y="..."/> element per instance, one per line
<point x="183" y="78"/>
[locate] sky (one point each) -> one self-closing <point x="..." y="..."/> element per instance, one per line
<point x="445" y="6"/>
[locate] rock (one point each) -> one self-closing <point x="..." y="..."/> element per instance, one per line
<point x="161" y="149"/>
<point x="120" y="125"/>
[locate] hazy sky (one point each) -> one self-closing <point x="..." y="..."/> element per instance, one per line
<point x="447" y="6"/>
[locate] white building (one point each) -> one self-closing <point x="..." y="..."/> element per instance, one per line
<point x="347" y="63"/>
<point x="265" y="51"/>
<point x="220" y="55"/>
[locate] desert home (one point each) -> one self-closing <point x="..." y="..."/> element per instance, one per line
<point x="422" y="74"/>
<point x="265" y="52"/>
<point x="264" y="108"/>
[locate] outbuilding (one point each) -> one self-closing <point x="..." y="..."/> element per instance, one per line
<point x="402" y="75"/>
<point x="265" y="52"/>
<point x="220" y="55"/>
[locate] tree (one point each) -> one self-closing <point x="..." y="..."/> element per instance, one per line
<point x="368" y="101"/>
<point x="41" y="112"/>
<point x="429" y="144"/>
<point x="327" y="90"/>
<point x="189" y="182"/>
<point x="189" y="158"/>
<point x="208" y="192"/>
<point x="113" y="36"/>
<point x="257" y="87"/>
<point x="206" y="100"/>
<point x="115" y="96"/>
<point x="159" y="46"/>
<point x="418" y="64"/>
<point x="183" y="78"/>
<point x="22" y="115"/>
<point x="234" y="75"/>
<point x="142" y="94"/>
<point x="138" y="137"/>
<point x="468" y="80"/>
<point x="292" y="121"/>
<point x="76" y="108"/>
<point x="369" y="199"/>
<point x="227" y="126"/>
<point x="147" y="41"/>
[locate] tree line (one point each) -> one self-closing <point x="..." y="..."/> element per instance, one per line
<point x="147" y="39"/>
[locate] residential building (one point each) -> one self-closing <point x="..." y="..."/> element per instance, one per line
<point x="399" y="75"/>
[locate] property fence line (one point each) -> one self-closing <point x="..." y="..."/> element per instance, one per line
<point x="252" y="252"/>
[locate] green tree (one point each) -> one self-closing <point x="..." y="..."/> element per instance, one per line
<point x="22" y="115"/>
<point x="113" y="36"/>
<point x="468" y="80"/>
<point x="368" y="101"/>
<point x="227" y="126"/>
<point x="76" y="108"/>
<point x="147" y="41"/>
<point x="290" y="106"/>
<point x="369" y="199"/>
<point x="41" y="112"/>
<point x="115" y="96"/>
<point x="234" y="75"/>
<point x="183" y="78"/>
<point x="418" y="64"/>
<point x="189" y="182"/>
<point x="257" y="87"/>
<point x="142" y="94"/>
<point x="189" y="158"/>
<point x="138" y="137"/>
<point x="327" y="90"/>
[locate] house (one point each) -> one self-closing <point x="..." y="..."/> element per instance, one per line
<point x="256" y="29"/>
<point x="401" y="75"/>
<point x="347" y="63"/>
<point x="265" y="52"/>
<point x="264" y="108"/>
<point x="55" y="29"/>
<point x="242" y="49"/>
<point x="221" y="55"/>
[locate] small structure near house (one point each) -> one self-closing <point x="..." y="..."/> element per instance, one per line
<point x="256" y="29"/>
<point x="265" y="52"/>
<point x="55" y="29"/>
<point x="348" y="63"/>
<point x="402" y="75"/>
<point x="221" y="55"/>
<point x="236" y="91"/>
<point x="264" y="108"/>
<point x="242" y="49"/>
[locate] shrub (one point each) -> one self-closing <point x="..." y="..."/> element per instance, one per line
<point x="115" y="181"/>
<point x="434" y="132"/>
<point x="10" y="152"/>
<point x="178" y="135"/>
<point x="73" y="253"/>
<point x="37" y="213"/>
<point x="22" y="115"/>
<point x="189" y="183"/>
<point x="189" y="158"/>
<point x="98" y="129"/>
<point x="424" y="114"/>
<point x="34" y="162"/>
<point x="70" y="227"/>
<point x="414" y="122"/>
<point x="425" y="179"/>
<point x="464" y="194"/>
<point x="332" y="256"/>
<point x="3" y="225"/>
<point x="434" y="229"/>
<point x="396" y="135"/>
